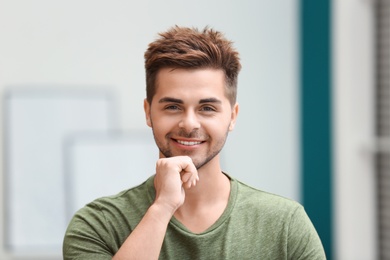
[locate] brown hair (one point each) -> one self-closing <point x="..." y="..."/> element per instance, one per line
<point x="182" y="47"/>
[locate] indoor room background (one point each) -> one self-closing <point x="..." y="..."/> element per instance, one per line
<point x="72" y="86"/>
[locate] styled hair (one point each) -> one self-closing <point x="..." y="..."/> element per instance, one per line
<point x="190" y="48"/>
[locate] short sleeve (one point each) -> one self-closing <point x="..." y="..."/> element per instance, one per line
<point x="86" y="236"/>
<point x="303" y="240"/>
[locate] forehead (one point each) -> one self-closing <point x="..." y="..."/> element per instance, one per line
<point x="191" y="82"/>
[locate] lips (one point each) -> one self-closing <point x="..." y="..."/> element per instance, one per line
<point x="188" y="143"/>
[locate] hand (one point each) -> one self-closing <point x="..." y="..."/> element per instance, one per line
<point x="173" y="175"/>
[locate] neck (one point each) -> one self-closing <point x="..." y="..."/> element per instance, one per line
<point x="205" y="202"/>
<point x="213" y="186"/>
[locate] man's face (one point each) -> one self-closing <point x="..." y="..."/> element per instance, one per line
<point x="190" y="114"/>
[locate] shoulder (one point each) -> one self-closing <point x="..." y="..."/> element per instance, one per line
<point x="248" y="196"/>
<point x="268" y="208"/>
<point x="273" y="215"/>
<point x="123" y="209"/>
<point x="127" y="202"/>
<point x="268" y="212"/>
<point x="101" y="226"/>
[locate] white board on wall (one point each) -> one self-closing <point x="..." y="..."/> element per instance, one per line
<point x="105" y="164"/>
<point x="37" y="121"/>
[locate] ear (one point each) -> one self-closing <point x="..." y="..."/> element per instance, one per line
<point x="233" y="117"/>
<point x="147" y="113"/>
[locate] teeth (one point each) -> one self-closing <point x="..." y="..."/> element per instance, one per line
<point x="188" y="143"/>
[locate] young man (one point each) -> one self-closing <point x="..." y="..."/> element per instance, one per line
<point x="190" y="209"/>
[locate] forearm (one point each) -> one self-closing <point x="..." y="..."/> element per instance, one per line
<point x="146" y="239"/>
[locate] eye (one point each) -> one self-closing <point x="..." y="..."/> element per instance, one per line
<point x="172" y="107"/>
<point x="208" y="108"/>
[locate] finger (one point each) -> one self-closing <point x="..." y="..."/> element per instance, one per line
<point x="186" y="176"/>
<point x="190" y="179"/>
<point x="186" y="164"/>
<point x="188" y="170"/>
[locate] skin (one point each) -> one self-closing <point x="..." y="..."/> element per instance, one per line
<point x="190" y="116"/>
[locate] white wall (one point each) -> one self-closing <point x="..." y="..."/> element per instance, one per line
<point x="95" y="43"/>
<point x="354" y="144"/>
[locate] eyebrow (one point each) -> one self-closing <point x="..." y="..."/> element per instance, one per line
<point x="179" y="101"/>
<point x="210" y="100"/>
<point x="170" y="100"/>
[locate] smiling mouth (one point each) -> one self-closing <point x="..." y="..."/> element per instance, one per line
<point x="188" y="143"/>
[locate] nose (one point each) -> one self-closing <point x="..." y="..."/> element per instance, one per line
<point x="189" y="121"/>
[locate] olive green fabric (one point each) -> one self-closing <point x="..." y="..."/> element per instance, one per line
<point x="255" y="225"/>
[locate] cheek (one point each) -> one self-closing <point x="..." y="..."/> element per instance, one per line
<point x="162" y="124"/>
<point x="218" y="127"/>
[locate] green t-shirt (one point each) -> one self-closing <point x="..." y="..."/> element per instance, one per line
<point x="254" y="225"/>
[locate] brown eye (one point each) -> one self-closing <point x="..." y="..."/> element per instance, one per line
<point x="172" y="107"/>
<point x="208" y="109"/>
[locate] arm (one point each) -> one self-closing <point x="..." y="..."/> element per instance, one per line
<point x="173" y="176"/>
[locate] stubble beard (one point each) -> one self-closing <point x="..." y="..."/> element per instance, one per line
<point x="199" y="163"/>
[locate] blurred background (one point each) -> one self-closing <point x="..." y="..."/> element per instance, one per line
<point x="313" y="123"/>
